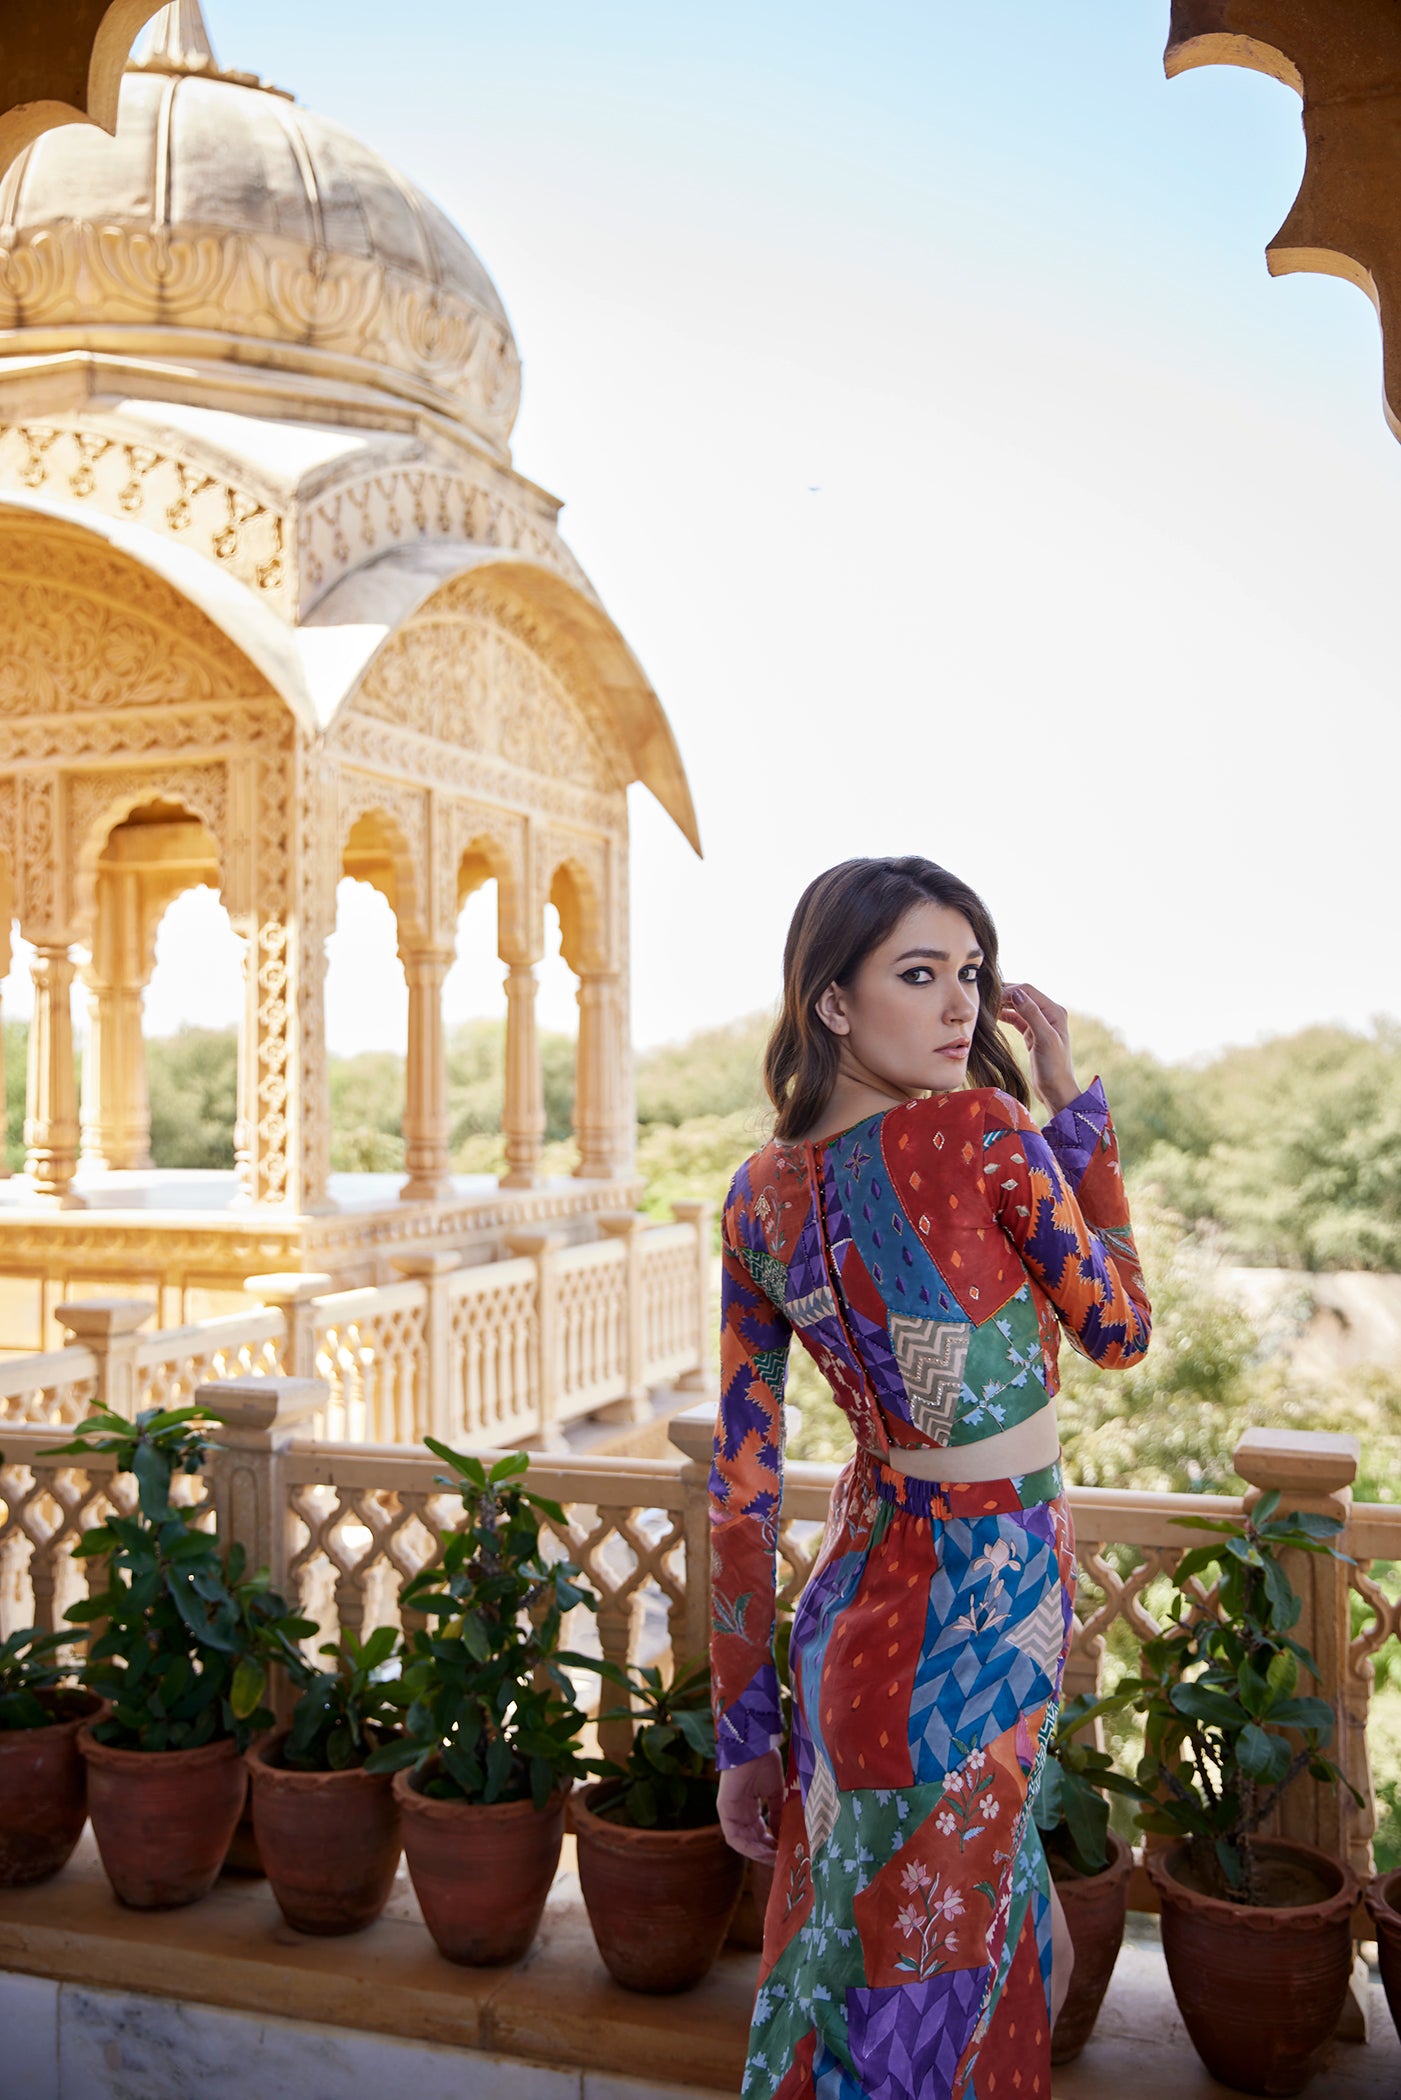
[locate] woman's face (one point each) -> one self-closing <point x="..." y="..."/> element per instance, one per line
<point x="906" y="1019"/>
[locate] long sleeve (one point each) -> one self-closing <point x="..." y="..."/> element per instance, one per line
<point x="1059" y="1194"/>
<point x="746" y="1482"/>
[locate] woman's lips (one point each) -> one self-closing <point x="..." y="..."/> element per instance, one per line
<point x="959" y="1049"/>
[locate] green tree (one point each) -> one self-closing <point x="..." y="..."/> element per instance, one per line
<point x="718" y="1072"/>
<point x="192" y="1079"/>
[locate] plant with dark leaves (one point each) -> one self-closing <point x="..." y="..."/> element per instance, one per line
<point x="491" y="1713"/>
<point x="186" y="1634"/>
<point x="668" y="1780"/>
<point x="1071" y="1811"/>
<point x="1227" y="1730"/>
<point x="36" y="1687"/>
<point x="344" y="1713"/>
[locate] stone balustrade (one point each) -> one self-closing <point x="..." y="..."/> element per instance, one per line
<point x="343" y="1525"/>
<point x="489" y="1353"/>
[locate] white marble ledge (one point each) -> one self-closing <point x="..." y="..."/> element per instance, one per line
<point x="65" y="2042"/>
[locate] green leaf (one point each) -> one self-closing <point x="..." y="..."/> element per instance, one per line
<point x="246" y="1691"/>
<point x="508" y="1468"/>
<point x="1283" y="1674"/>
<point x="1265" y="1507"/>
<point x="1314" y="1714"/>
<point x="1200" y="1703"/>
<point x="1263" y="1757"/>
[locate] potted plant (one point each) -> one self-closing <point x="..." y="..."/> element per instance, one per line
<point x="181" y="1658"/>
<point x="1383" y="1901"/>
<point x="326" y="1828"/>
<point x="1090" y="1863"/>
<point x="660" y="1884"/>
<point x="43" y="1790"/>
<point x="1256" y="1930"/>
<point x="491" y="1738"/>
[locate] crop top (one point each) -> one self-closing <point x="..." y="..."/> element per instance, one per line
<point x="926" y="1259"/>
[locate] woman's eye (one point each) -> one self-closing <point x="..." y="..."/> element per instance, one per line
<point x="918" y="975"/>
<point x="969" y="973"/>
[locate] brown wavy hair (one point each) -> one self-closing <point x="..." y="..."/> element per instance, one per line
<point x="841" y="917"/>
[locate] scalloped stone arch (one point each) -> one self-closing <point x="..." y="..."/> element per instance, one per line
<point x="405" y="891"/>
<point x="1343" y="58"/>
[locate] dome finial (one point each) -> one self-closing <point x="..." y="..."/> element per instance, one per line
<point x="178" y="41"/>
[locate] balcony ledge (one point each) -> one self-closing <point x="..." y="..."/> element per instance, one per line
<point x="380" y="2009"/>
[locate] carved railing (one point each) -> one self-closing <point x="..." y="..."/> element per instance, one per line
<point x="343" y="1526"/>
<point x="503" y="1352"/>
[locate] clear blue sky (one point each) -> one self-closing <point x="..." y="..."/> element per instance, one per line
<point x="928" y="421"/>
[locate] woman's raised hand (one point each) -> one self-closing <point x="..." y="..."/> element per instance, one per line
<point x="750" y="1803"/>
<point x="1045" y="1029"/>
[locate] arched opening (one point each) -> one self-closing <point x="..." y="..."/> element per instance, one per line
<point x="367" y="1006"/>
<point x="182" y="1048"/>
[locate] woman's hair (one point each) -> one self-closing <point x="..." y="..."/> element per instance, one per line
<point x="841" y="917"/>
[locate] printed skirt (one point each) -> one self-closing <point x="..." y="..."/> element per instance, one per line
<point x="907" y="1942"/>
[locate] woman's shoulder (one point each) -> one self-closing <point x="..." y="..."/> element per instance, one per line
<point x="763" y="1195"/>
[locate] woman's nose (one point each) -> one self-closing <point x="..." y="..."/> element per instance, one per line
<point x="964" y="1004"/>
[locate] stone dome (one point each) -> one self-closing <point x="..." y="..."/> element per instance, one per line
<point x="226" y="224"/>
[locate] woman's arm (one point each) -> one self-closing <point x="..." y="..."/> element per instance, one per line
<point x="1059" y="1195"/>
<point x="746" y="1485"/>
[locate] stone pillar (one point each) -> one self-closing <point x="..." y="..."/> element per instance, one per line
<point x="51" y="1108"/>
<point x="523" y="1112"/>
<point x="425" y="1079"/>
<point x="604" y="1144"/>
<point x="441" y="1406"/>
<point x="116" y="1113"/>
<point x="693" y="1433"/>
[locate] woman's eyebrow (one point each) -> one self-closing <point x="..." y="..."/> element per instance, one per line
<point x="935" y="955"/>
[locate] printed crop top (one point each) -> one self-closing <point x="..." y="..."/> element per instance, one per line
<point x="926" y="1259"/>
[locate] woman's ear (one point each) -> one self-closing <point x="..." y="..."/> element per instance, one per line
<point x="831" y="1011"/>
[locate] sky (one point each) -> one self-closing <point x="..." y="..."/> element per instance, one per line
<point x="930" y="425"/>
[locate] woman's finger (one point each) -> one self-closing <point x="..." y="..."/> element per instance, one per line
<point x="1056" y="1015"/>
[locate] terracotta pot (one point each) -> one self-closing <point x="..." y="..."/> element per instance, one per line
<point x="659" y="1901"/>
<point x="1260" y="1989"/>
<point x="331" y="1839"/>
<point x="747" y="1925"/>
<point x="43" y="1792"/>
<point x="481" y="1875"/>
<point x="1095" y="1906"/>
<point x="163" y="1818"/>
<point x="1384" y="1905"/>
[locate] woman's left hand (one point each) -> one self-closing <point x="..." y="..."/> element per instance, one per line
<point x="1045" y="1029"/>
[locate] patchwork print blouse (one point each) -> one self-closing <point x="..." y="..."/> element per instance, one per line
<point x="926" y="1259"/>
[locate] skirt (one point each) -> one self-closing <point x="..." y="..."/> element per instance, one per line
<point x="907" y="1940"/>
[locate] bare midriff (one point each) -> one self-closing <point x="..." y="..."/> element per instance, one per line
<point x="1025" y="1449"/>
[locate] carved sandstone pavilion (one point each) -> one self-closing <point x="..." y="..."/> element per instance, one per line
<point x="274" y="608"/>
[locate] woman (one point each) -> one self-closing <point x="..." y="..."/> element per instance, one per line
<point x="924" y="1241"/>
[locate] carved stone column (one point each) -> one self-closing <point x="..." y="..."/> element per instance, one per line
<point x="604" y="1147"/>
<point x="51" y="1108"/>
<point x="425" y="1079"/>
<point x="116" y="1111"/>
<point x="523" y="1112"/>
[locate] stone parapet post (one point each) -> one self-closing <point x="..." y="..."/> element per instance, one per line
<point x="108" y="1327"/>
<point x="442" y="1409"/>
<point x="635" y="1404"/>
<point x="1314" y="1470"/>
<point x="260" y="1416"/>
<point x="693" y="1434"/>
<point x="541" y="1248"/>
<point x="696" y="1211"/>
<point x="293" y="1293"/>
